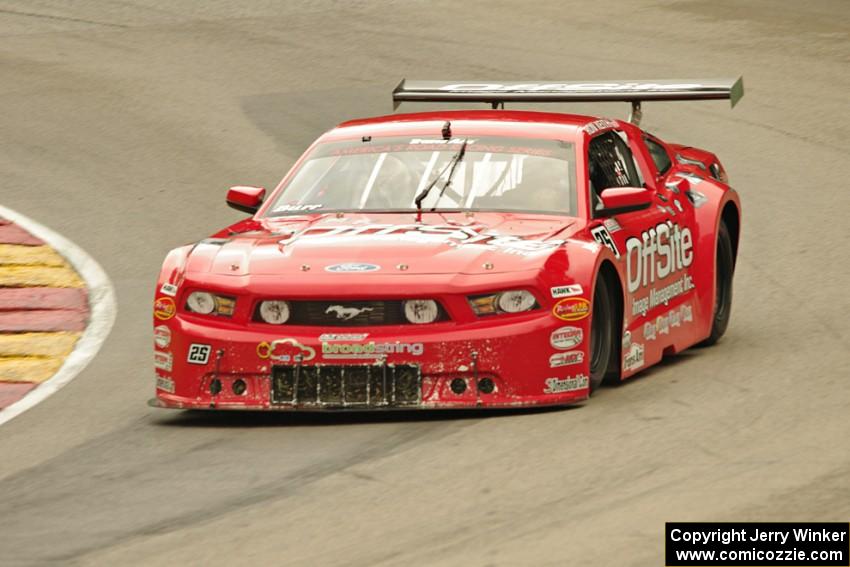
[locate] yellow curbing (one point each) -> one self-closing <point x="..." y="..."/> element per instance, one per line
<point x="37" y="344"/>
<point x="34" y="357"/>
<point x="29" y="369"/>
<point x="38" y="276"/>
<point x="16" y="254"/>
<point x="31" y="266"/>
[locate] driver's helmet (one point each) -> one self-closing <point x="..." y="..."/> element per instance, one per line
<point x="394" y="186"/>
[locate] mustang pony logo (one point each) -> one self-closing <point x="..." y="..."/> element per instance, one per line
<point x="346" y="313"/>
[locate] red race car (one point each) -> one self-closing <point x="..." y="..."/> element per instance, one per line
<point x="457" y="259"/>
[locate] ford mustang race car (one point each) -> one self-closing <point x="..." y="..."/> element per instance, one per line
<point x="459" y="259"/>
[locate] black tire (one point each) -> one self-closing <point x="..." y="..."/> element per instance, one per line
<point x="601" y="333"/>
<point x="724" y="270"/>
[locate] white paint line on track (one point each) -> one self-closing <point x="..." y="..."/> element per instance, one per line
<point x="102" y="310"/>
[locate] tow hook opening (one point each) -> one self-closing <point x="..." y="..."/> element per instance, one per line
<point x="486" y="386"/>
<point x="458" y="386"/>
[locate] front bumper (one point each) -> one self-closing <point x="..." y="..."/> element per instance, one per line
<point x="501" y="362"/>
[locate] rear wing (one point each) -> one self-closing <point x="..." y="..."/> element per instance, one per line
<point x="635" y="92"/>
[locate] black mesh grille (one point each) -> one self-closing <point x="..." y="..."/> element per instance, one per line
<point x="347" y="313"/>
<point x="347" y="386"/>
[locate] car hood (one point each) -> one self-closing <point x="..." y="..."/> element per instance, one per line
<point x="385" y="243"/>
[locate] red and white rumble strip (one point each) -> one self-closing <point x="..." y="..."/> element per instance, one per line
<point x="56" y="308"/>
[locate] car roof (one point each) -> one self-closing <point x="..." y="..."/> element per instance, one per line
<point x="520" y="123"/>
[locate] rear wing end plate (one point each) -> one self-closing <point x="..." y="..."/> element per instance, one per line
<point x="635" y="92"/>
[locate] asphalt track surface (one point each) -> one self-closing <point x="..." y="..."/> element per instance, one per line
<point x="122" y="125"/>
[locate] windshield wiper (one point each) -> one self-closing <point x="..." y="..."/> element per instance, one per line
<point x="453" y="164"/>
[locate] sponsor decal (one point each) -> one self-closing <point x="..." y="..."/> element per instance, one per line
<point x="662" y="324"/>
<point x="660" y="251"/>
<point x="662" y="296"/>
<point x="649" y="331"/>
<point x="634" y="357"/>
<point x="566" y="358"/>
<point x="612" y="225"/>
<point x="168" y="289"/>
<point x="571" y="309"/>
<point x="346" y="313"/>
<point x="343" y="336"/>
<point x="296" y="208"/>
<point x="675" y="318"/>
<point x="598" y="125"/>
<point x="165" y="384"/>
<point x="567" y="290"/>
<point x="371" y="349"/>
<point x="627" y="340"/>
<point x="161" y="336"/>
<point x="429" y="141"/>
<point x="285" y="350"/>
<point x="198" y="354"/>
<point x="164" y="308"/>
<point x="450" y="235"/>
<point x="566" y="338"/>
<point x="603" y="237"/>
<point x="162" y="360"/>
<point x="560" y="385"/>
<point x="352" y="267"/>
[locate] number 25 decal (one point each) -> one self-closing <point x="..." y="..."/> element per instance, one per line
<point x="603" y="237"/>
<point x="199" y="354"/>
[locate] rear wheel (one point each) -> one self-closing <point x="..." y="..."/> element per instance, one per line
<point x="601" y="333"/>
<point x="723" y="286"/>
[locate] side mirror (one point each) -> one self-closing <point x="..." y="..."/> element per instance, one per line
<point x="617" y="200"/>
<point x="246" y="199"/>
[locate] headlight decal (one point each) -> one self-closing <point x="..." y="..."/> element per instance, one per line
<point x="421" y="311"/>
<point x="274" y="312"/>
<point x="206" y="303"/>
<point x="510" y="301"/>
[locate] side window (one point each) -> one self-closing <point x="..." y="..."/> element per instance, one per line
<point x="659" y="155"/>
<point x="610" y="164"/>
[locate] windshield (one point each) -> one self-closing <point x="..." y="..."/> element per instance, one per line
<point x="387" y="174"/>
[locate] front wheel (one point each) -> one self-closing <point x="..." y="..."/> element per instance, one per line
<point x="723" y="286"/>
<point x="601" y="333"/>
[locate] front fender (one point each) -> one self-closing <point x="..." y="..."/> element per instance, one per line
<point x="173" y="270"/>
<point x="582" y="261"/>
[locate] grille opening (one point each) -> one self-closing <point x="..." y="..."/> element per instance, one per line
<point x="327" y="313"/>
<point x="371" y="385"/>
